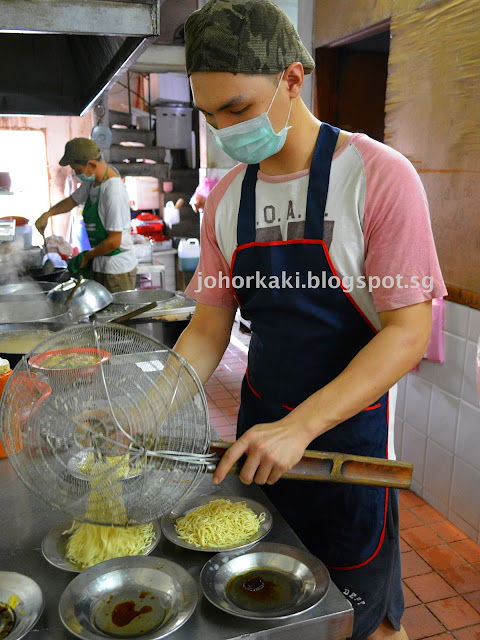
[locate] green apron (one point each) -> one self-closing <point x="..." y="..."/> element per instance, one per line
<point x="96" y="232"/>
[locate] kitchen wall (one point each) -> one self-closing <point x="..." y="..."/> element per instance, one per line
<point x="58" y="131"/>
<point x="431" y="111"/>
<point x="437" y="423"/>
<point x="430" y="117"/>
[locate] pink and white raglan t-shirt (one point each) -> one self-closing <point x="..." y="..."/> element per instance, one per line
<point x="376" y="228"/>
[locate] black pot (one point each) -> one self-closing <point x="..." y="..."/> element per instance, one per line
<point x="37" y="274"/>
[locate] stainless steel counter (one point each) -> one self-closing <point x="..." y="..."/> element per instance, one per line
<point x="25" y="520"/>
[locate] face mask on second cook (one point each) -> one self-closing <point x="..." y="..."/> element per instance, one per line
<point x="253" y="140"/>
<point x="84" y="178"/>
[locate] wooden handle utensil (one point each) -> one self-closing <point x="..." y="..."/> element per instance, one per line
<point x="323" y="466"/>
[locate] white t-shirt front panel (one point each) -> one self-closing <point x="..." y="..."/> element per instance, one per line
<point x="281" y="213"/>
<point x="114" y="213"/>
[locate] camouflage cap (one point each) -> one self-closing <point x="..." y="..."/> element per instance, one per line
<point x="243" y="36"/>
<point x="80" y="151"/>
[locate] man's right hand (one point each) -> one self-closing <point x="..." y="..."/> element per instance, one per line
<point x="41" y="223"/>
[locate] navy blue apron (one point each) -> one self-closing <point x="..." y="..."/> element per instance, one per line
<point x="302" y="338"/>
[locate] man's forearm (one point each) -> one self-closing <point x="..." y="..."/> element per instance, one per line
<point x="64" y="206"/>
<point x="202" y="344"/>
<point x="202" y="353"/>
<point x="103" y="248"/>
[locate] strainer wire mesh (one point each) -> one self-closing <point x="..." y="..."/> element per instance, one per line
<point x="109" y="442"/>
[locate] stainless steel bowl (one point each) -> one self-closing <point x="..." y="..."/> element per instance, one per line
<point x="168" y="521"/>
<point x="269" y="582"/>
<point x="54" y="546"/>
<point x="94" y="603"/>
<point x="25" y="600"/>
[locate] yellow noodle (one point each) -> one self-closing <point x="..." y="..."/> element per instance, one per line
<point x="89" y="465"/>
<point x="90" y="544"/>
<point x="220" y="523"/>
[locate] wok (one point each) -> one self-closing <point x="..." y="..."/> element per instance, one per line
<point x="25" y="311"/>
<point x="14" y="335"/>
<point x="18" y="291"/>
<point x="18" y="339"/>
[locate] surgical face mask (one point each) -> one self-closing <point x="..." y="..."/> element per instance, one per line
<point x="253" y="140"/>
<point x="83" y="178"/>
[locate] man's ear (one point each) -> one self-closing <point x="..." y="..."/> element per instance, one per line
<point x="294" y="76"/>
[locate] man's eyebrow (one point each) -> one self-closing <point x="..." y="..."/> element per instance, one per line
<point x="233" y="102"/>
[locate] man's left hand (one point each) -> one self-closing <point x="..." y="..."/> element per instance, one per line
<point x="272" y="449"/>
<point x="85" y="260"/>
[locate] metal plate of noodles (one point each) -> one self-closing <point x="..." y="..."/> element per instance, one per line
<point x="54" y="546"/>
<point x="168" y="522"/>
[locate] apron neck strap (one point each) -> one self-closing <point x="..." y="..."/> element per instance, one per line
<point x="317" y="190"/>
<point x="319" y="180"/>
<point x="104" y="175"/>
<point x="246" y="228"/>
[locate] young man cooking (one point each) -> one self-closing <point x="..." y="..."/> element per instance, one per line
<point x="106" y="214"/>
<point x="308" y="206"/>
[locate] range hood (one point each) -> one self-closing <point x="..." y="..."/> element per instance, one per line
<point x="59" y="56"/>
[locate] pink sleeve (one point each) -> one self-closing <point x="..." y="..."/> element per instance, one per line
<point x="400" y="256"/>
<point x="211" y="281"/>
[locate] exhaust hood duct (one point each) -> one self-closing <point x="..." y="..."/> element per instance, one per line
<point x="59" y="56"/>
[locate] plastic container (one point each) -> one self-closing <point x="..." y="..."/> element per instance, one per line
<point x="149" y="225"/>
<point x="5" y="372"/>
<point x="23" y="230"/>
<point x="188" y="254"/>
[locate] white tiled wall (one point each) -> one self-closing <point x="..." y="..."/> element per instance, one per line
<point x="437" y="423"/>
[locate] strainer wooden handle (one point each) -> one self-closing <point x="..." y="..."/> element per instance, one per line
<point x="323" y="466"/>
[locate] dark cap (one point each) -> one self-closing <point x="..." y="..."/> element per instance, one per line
<point x="80" y="151"/>
<point x="243" y="36"/>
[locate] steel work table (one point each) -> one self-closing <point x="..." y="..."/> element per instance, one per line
<point x="25" y="520"/>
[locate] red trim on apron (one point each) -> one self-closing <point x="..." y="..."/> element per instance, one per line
<point x="298" y="241"/>
<point x="379" y="546"/>
<point x="382" y="536"/>
<point x="251" y="388"/>
<point x="357" y="308"/>
<point x="374" y="406"/>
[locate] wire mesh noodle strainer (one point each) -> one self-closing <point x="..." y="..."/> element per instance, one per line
<point x="138" y="422"/>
